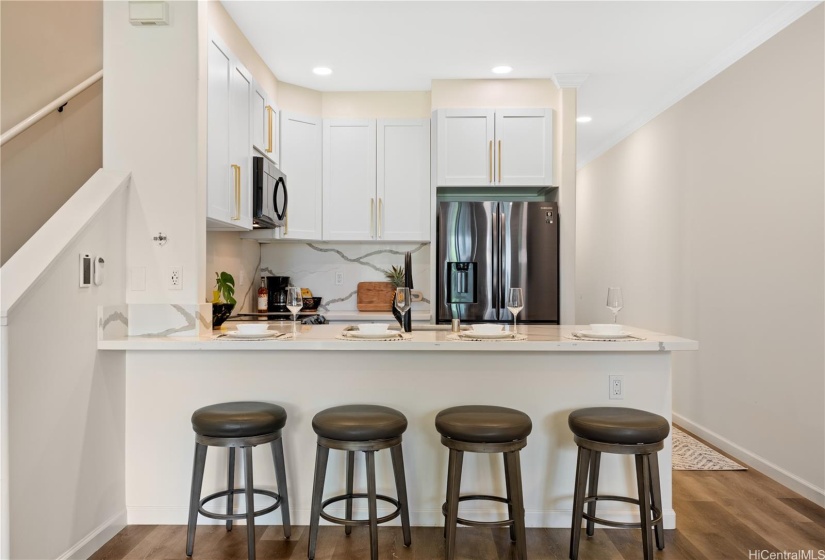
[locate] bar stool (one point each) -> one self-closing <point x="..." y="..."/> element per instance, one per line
<point x="626" y="431"/>
<point x="351" y="428"/>
<point x="484" y="429"/>
<point x="241" y="425"/>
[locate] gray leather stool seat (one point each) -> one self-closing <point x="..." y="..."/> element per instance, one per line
<point x="238" y="425"/>
<point x="359" y="422"/>
<point x="618" y="425"/>
<point x="483" y="424"/>
<point x="355" y="428"/>
<point x="238" y="419"/>
<point x="484" y="429"/>
<point x="625" y="431"/>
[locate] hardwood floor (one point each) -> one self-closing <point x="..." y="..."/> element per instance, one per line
<point x="720" y="514"/>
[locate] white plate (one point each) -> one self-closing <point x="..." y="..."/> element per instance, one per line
<point x="266" y="334"/>
<point x="385" y="334"/>
<point x="492" y="336"/>
<point x="591" y="334"/>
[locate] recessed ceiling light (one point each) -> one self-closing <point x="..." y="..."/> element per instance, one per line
<point x="322" y="71"/>
<point x="584" y="119"/>
<point x="502" y="70"/>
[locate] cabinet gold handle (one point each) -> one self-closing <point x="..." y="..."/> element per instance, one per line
<point x="499" y="161"/>
<point x="269" y="112"/>
<point x="380" y="221"/>
<point x="372" y="217"/>
<point x="237" y="170"/>
<point x="491" y="162"/>
<point x="286" y="224"/>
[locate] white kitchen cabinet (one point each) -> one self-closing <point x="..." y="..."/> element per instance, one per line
<point x="376" y="179"/>
<point x="265" y="123"/>
<point x="229" y="167"/>
<point x="403" y="179"/>
<point x="501" y="147"/>
<point x="350" y="202"/>
<point x="301" y="157"/>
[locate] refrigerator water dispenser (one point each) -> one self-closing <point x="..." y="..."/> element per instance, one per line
<point x="461" y="282"/>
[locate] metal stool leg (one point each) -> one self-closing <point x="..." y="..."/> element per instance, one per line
<point x="656" y="499"/>
<point x="230" y="484"/>
<point x="250" y="502"/>
<point x="643" y="483"/>
<point x="450" y="466"/>
<point x="593" y="488"/>
<point x="582" y="465"/>
<point x="280" y="476"/>
<point x="195" y="495"/>
<point x="401" y="488"/>
<point x="372" y="501"/>
<point x="322" y="454"/>
<point x="517" y="503"/>
<point x="509" y="496"/>
<point x="454" y="484"/>
<point x="350" y="476"/>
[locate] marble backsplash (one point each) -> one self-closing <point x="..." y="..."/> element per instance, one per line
<point x="314" y="265"/>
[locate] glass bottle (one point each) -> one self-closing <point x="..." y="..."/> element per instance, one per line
<point x="263" y="297"/>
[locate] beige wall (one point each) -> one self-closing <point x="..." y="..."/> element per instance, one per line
<point x="376" y="104"/>
<point x="710" y="218"/>
<point x="46" y="48"/>
<point x="299" y="100"/>
<point x="455" y="94"/>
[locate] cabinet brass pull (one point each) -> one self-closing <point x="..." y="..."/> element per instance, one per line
<point x="269" y="112"/>
<point x="380" y="221"/>
<point x="499" y="161"/>
<point x="372" y="217"/>
<point x="237" y="170"/>
<point x="491" y="162"/>
<point x="286" y="224"/>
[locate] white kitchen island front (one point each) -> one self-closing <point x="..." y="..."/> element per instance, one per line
<point x="546" y="376"/>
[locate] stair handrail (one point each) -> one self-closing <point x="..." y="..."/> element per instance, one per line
<point x="56" y="104"/>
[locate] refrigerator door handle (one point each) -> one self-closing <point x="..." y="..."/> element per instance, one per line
<point x="495" y="272"/>
<point x="502" y="270"/>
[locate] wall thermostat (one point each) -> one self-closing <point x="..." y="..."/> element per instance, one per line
<point x="85" y="270"/>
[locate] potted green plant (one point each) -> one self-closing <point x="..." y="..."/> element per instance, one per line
<point x="396" y="276"/>
<point x="224" y="289"/>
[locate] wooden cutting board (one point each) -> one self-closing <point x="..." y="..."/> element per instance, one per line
<point x="375" y="296"/>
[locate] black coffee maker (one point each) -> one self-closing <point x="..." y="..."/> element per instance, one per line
<point x="276" y="288"/>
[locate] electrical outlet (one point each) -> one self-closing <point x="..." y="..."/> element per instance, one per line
<point x="339" y="278"/>
<point x="616" y="386"/>
<point x="175" y="277"/>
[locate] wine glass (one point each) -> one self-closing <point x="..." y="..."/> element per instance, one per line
<point x="402" y="300"/>
<point x="294" y="302"/>
<point x="614" y="301"/>
<point x="515" y="303"/>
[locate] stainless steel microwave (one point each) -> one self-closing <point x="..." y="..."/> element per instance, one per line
<point x="269" y="194"/>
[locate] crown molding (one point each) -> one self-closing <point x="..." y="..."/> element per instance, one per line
<point x="569" y="80"/>
<point x="770" y="26"/>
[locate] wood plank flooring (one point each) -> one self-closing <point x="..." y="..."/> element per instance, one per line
<point x="720" y="514"/>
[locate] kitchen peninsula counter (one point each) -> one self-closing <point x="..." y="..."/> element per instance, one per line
<point x="546" y="376"/>
<point x="540" y="338"/>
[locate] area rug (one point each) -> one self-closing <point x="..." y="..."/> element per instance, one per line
<point x="690" y="454"/>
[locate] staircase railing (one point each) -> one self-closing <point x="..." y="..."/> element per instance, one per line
<point x="56" y="104"/>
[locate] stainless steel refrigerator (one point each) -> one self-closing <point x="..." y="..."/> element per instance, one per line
<point x="485" y="248"/>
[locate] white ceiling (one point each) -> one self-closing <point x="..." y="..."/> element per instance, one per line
<point x="641" y="57"/>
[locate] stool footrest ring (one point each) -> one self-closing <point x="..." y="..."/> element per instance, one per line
<point x="232" y="516"/>
<point x="657" y="514"/>
<point x="473" y="523"/>
<point x="342" y="497"/>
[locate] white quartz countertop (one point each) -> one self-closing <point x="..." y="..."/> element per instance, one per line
<point x="540" y="338"/>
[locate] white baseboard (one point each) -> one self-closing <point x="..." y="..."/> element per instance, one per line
<point x="559" y="518"/>
<point x="99" y="536"/>
<point x="777" y="473"/>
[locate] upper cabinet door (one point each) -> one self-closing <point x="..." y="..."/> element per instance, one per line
<point x="350" y="203"/>
<point x="273" y="142"/>
<point x="301" y="150"/>
<point x="229" y="141"/>
<point x="403" y="180"/>
<point x="524" y="147"/>
<point x="240" y="147"/>
<point x="259" y="117"/>
<point x="465" y="147"/>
